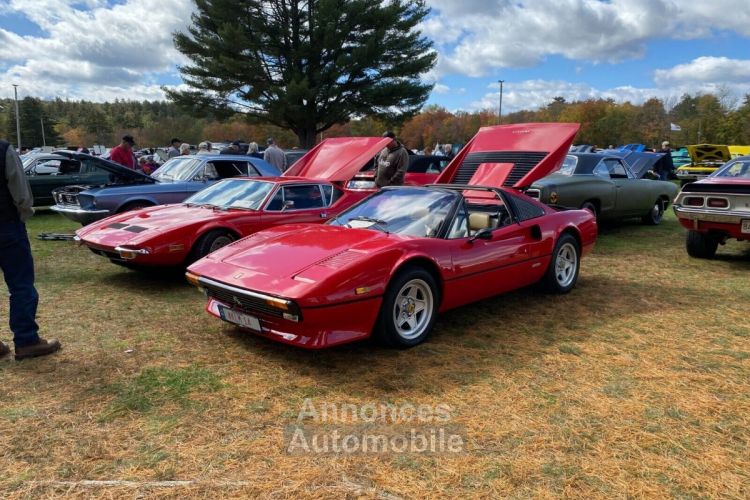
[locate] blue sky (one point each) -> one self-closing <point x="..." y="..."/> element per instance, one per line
<point x="623" y="49"/>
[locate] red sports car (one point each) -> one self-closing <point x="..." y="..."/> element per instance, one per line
<point x="312" y="190"/>
<point x="716" y="209"/>
<point x="392" y="262"/>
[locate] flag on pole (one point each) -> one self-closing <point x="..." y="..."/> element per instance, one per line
<point x="674" y="127"/>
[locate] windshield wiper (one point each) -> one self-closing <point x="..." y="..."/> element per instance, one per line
<point x="375" y="222"/>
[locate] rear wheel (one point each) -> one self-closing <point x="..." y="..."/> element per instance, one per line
<point x="590" y="206"/>
<point x="562" y="273"/>
<point x="701" y="245"/>
<point x="654" y="216"/>
<point x="409" y="308"/>
<point x="209" y="242"/>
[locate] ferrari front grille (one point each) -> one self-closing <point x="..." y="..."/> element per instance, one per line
<point x="244" y="303"/>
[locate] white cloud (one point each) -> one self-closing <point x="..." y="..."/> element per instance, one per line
<point x="440" y="88"/>
<point x="705" y="70"/>
<point x="477" y="36"/>
<point x="91" y="50"/>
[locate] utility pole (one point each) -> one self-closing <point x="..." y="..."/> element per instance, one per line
<point x="44" y="141"/>
<point x="500" y="104"/>
<point x="18" y="119"/>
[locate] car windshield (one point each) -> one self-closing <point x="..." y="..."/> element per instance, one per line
<point x="233" y="193"/>
<point x="406" y="211"/>
<point x="568" y="166"/>
<point x="738" y="169"/>
<point x="176" y="169"/>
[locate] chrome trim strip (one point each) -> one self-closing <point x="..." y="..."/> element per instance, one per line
<point x="239" y="291"/>
<point x="141" y="251"/>
<point x="66" y="210"/>
<point x="711" y="215"/>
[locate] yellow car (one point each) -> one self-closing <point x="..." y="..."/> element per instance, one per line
<point x="706" y="158"/>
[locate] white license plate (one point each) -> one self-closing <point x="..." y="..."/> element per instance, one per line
<point x="238" y="318"/>
<point x="745" y="229"/>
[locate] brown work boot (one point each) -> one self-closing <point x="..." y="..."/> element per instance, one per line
<point x="41" y="348"/>
<point x="4" y="349"/>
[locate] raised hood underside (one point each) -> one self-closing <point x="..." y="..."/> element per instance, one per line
<point x="709" y="153"/>
<point x="337" y="159"/>
<point x="512" y="156"/>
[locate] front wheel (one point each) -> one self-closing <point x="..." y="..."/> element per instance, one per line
<point x="209" y="242"/>
<point x="562" y="273"/>
<point x="590" y="206"/>
<point x="701" y="245"/>
<point x="654" y="216"/>
<point x="409" y="309"/>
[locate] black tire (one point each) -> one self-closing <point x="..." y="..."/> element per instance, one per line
<point x="135" y="205"/>
<point x="409" y="287"/>
<point x="655" y="214"/>
<point x="209" y="242"/>
<point x="591" y="207"/>
<point x="701" y="245"/>
<point x="560" y="278"/>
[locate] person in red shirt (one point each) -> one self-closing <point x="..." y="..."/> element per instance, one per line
<point x="123" y="154"/>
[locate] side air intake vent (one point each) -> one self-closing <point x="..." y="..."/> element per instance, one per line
<point x="523" y="162"/>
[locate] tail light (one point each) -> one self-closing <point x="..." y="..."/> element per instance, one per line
<point x="694" y="201"/>
<point x="718" y="203"/>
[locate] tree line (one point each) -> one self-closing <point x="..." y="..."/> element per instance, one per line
<point x="705" y="118"/>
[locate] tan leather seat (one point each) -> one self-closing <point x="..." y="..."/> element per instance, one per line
<point x="479" y="220"/>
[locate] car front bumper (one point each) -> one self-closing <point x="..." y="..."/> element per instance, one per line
<point x="78" y="214"/>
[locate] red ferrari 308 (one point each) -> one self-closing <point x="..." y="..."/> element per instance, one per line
<point x="315" y="188"/>
<point x="389" y="264"/>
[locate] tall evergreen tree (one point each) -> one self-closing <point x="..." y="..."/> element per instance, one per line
<point x="306" y="65"/>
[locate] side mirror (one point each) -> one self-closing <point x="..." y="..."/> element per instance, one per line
<point x="287" y="205"/>
<point x="482" y="234"/>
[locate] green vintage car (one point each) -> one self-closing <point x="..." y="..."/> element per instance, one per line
<point x="49" y="171"/>
<point x="610" y="184"/>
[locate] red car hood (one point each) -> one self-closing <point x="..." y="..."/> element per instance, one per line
<point x="337" y="159"/>
<point x="511" y="155"/>
<point x="288" y="260"/>
<point x="140" y="225"/>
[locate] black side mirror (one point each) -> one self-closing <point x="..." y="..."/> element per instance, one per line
<point x="482" y="234"/>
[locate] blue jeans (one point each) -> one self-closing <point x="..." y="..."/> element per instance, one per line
<point x="18" y="269"/>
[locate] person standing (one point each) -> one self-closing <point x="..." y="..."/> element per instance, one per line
<point x="174" y="149"/>
<point x="274" y="155"/>
<point x="123" y="154"/>
<point x="184" y="149"/>
<point x="252" y="150"/>
<point x="204" y="148"/>
<point x="392" y="163"/>
<point x="666" y="164"/>
<point x="232" y="149"/>
<point x="16" y="261"/>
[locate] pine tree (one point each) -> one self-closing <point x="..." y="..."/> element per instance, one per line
<point x="306" y="65"/>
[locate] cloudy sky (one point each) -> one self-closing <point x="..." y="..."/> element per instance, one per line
<point x="623" y="49"/>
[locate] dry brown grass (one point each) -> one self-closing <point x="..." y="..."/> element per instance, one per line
<point x="635" y="384"/>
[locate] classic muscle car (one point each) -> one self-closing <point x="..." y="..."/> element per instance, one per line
<point x="608" y="186"/>
<point x="681" y="157"/>
<point x="716" y="209"/>
<point x="391" y="263"/>
<point x="179" y="234"/>
<point x="171" y="183"/>
<point x="49" y="171"/>
<point x="705" y="159"/>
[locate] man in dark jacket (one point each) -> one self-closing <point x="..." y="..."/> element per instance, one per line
<point x="15" y="258"/>
<point x="665" y="166"/>
<point x="391" y="163"/>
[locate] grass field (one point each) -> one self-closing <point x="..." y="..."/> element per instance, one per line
<point x="635" y="384"/>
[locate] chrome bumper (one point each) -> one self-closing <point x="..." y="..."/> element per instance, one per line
<point x="79" y="214"/>
<point x="710" y="215"/>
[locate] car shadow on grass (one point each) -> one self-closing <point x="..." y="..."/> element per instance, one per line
<point x="506" y="333"/>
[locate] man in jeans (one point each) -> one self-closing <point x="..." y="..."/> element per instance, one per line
<point x="15" y="258"/>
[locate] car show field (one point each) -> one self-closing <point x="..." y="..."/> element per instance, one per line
<point x="633" y="384"/>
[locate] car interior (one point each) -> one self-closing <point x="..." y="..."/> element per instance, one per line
<point x="225" y="169"/>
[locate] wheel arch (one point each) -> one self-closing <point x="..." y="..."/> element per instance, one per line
<point x="426" y="263"/>
<point x="573" y="231"/>
<point x="130" y="201"/>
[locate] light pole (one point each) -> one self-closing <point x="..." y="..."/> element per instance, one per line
<point x="18" y="119"/>
<point x="500" y="104"/>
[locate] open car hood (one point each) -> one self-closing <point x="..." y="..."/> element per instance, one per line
<point x="511" y="156"/>
<point x="640" y="162"/>
<point x="337" y="159"/>
<point x="702" y="153"/>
